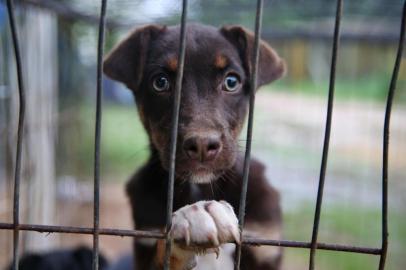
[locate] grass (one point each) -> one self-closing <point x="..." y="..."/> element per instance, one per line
<point x="345" y="224"/>
<point x="124" y="143"/>
<point x="363" y="88"/>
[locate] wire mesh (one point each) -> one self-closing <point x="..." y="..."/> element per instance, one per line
<point x="96" y="230"/>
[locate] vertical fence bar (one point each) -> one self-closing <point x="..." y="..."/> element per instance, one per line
<point x="247" y="158"/>
<point x="20" y="131"/>
<point x="99" y="99"/>
<point x="174" y="133"/>
<point x="326" y="134"/>
<point x="385" y="154"/>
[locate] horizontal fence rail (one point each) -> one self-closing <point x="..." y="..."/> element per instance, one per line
<point x="157" y="235"/>
<point x="96" y="231"/>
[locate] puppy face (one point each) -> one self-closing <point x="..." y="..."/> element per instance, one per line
<point x="215" y="91"/>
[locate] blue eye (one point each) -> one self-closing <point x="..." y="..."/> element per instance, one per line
<point x="160" y="83"/>
<point x="231" y="83"/>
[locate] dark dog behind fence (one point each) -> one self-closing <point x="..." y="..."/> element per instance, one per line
<point x="96" y="230"/>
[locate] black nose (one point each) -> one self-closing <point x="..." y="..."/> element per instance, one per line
<point x="203" y="148"/>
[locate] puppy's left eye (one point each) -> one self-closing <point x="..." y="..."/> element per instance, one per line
<point x="231" y="83"/>
<point x="160" y="83"/>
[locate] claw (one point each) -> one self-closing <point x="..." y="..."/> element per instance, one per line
<point x="236" y="236"/>
<point x="187" y="237"/>
<point x="214" y="240"/>
<point x="217" y="251"/>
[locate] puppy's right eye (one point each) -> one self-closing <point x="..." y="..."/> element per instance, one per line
<point x="160" y="83"/>
<point x="231" y="83"/>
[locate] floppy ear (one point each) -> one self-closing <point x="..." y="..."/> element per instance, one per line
<point x="125" y="63"/>
<point x="270" y="67"/>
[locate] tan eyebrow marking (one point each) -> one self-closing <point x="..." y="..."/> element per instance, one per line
<point x="220" y="61"/>
<point x="172" y="63"/>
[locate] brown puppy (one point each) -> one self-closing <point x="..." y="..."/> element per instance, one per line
<point x="215" y="96"/>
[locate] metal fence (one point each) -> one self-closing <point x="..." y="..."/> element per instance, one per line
<point x="96" y="231"/>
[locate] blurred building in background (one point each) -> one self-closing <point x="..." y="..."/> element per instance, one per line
<point x="58" y="40"/>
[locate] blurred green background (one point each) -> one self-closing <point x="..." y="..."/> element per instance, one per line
<point x="289" y="114"/>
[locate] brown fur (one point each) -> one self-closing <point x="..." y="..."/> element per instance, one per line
<point x="210" y="121"/>
<point x="173" y="64"/>
<point x="220" y="62"/>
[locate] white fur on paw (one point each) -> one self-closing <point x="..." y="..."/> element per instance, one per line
<point x="205" y="224"/>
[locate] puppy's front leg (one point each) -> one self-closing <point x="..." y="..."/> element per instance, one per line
<point x="200" y="228"/>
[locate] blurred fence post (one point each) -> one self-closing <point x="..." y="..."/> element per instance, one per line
<point x="40" y="67"/>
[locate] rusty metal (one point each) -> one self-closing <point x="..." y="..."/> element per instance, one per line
<point x="327" y="133"/>
<point x="385" y="153"/>
<point x="81" y="230"/>
<point x="159" y="235"/>
<point x="20" y="132"/>
<point x="97" y="136"/>
<point x="174" y="134"/>
<point x="247" y="158"/>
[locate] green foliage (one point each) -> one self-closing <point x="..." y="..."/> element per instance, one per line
<point x="364" y="88"/>
<point x="346" y="225"/>
<point x="284" y="12"/>
<point x="124" y="144"/>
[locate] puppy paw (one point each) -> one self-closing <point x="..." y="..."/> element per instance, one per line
<point x="204" y="226"/>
